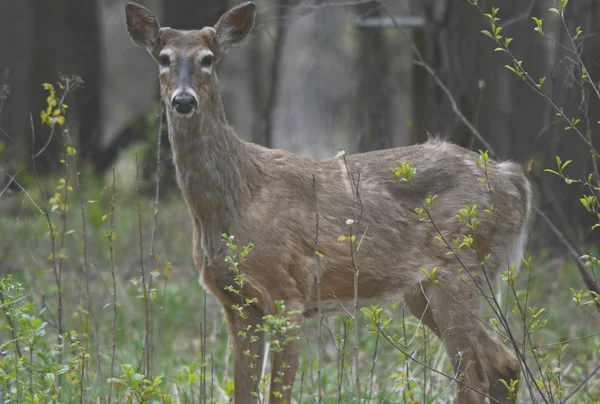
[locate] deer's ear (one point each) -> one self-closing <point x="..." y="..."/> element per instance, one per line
<point x="142" y="25"/>
<point x="235" y="25"/>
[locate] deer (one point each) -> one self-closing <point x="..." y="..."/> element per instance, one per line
<point x="273" y="199"/>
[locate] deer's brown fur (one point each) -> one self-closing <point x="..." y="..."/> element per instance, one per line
<point x="268" y="197"/>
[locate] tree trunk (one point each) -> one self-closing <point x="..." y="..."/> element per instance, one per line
<point x="373" y="99"/>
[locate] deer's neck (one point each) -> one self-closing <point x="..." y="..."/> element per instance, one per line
<point x="215" y="169"/>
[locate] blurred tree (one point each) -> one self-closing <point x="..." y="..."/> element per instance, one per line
<point x="38" y="42"/>
<point x="373" y="99"/>
<point x="192" y="14"/>
<point x="263" y="127"/>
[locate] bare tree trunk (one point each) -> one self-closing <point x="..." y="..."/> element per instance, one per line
<point x="193" y="14"/>
<point x="373" y="98"/>
<point x="264" y="105"/>
<point x="257" y="87"/>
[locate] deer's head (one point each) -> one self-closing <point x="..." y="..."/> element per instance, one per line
<point x="187" y="59"/>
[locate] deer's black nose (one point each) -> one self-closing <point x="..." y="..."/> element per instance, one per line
<point x="184" y="103"/>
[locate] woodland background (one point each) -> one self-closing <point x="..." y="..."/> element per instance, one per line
<point x="314" y="77"/>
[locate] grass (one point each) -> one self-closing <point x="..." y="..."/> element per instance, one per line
<point x="180" y="317"/>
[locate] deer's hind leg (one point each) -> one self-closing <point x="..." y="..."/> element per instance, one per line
<point x="478" y="360"/>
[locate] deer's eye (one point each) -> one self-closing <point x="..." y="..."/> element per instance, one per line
<point x="164" y="60"/>
<point x="207" y="61"/>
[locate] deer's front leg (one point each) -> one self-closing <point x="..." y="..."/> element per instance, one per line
<point x="285" y="352"/>
<point x="248" y="350"/>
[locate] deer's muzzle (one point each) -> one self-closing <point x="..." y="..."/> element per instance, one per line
<point x="184" y="103"/>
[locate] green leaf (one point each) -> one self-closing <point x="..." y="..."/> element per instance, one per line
<point x="339" y="154"/>
<point x="547" y="170"/>
<point x="555" y="11"/>
<point x="487" y="33"/>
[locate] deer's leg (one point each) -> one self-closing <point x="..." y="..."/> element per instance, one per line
<point x="284" y="359"/>
<point x="248" y="350"/>
<point x="499" y="364"/>
<point x="455" y="324"/>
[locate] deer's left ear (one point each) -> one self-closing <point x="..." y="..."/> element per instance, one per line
<point x="235" y="25"/>
<point x="142" y="25"/>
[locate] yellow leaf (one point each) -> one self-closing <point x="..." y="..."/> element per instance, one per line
<point x="168" y="270"/>
<point x="104" y="217"/>
<point x="341" y="238"/>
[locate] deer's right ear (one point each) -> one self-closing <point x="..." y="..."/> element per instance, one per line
<point x="142" y="25"/>
<point x="235" y="25"/>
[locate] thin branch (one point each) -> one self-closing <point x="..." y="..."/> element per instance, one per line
<point x="319" y="303"/>
<point x="114" y="280"/>
<point x="580" y="385"/>
<point x="145" y="286"/>
<point x="11" y="178"/>
<point x="24" y="191"/>
<point x="519" y="17"/>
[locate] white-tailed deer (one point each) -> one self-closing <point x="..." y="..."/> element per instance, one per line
<point x="269" y="198"/>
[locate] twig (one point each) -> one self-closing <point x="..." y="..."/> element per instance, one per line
<point x="24" y="191"/>
<point x="86" y="269"/>
<point x="519" y="17"/>
<point x="147" y="330"/>
<point x="11" y="178"/>
<point x="114" y="279"/>
<point x="319" y="308"/>
<point x="580" y="385"/>
<point x="12" y="327"/>
<point x="358" y="212"/>
<point x="157" y="192"/>
<point x="375" y="356"/>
